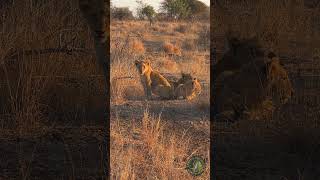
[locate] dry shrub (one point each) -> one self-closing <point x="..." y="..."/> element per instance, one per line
<point x="189" y="45"/>
<point x="121" y="91"/>
<point x="76" y="98"/>
<point x="204" y="38"/>
<point x="203" y="101"/>
<point x="182" y="28"/>
<point x="125" y="82"/>
<point x="21" y="96"/>
<point x="166" y="25"/>
<point x="26" y="107"/>
<point x="137" y="46"/>
<point x="145" y="150"/>
<point x="163" y="28"/>
<point x="167" y="65"/>
<point x="155" y="28"/>
<point x="195" y="64"/>
<point x="171" y="49"/>
<point x="36" y="94"/>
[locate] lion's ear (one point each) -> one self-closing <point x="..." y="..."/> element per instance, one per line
<point x="148" y="62"/>
<point x="271" y="55"/>
<point x="272" y="66"/>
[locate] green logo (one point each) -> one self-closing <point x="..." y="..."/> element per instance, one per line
<point x="195" y="165"/>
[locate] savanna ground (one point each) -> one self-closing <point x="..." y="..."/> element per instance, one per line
<point x="52" y="103"/>
<point x="284" y="146"/>
<point x="154" y="139"/>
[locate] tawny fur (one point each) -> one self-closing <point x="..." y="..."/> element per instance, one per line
<point x="238" y="53"/>
<point x="152" y="81"/>
<point x="256" y="82"/>
<point x="189" y="89"/>
<point x="185" y="77"/>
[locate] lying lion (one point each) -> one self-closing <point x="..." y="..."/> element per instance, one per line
<point x="187" y="87"/>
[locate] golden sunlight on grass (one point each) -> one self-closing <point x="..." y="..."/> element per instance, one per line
<point x="145" y="149"/>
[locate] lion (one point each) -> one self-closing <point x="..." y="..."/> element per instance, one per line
<point x="238" y="53"/>
<point x="186" y="87"/>
<point x="152" y="81"/>
<point x="184" y="78"/>
<point x="189" y="89"/>
<point x="238" y="92"/>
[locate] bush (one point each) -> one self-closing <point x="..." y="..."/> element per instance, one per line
<point x="171" y="49"/>
<point x="137" y="47"/>
<point x="121" y="13"/>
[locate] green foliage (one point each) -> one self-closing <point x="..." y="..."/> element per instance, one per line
<point x="199" y="9"/>
<point x="121" y="13"/>
<point x="185" y="8"/>
<point x="176" y="8"/>
<point x="145" y="10"/>
<point x="148" y="11"/>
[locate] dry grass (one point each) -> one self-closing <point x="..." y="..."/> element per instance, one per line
<point x="170" y="48"/>
<point x="44" y="85"/>
<point x="137" y="46"/>
<point x="154" y="43"/>
<point x="41" y="91"/>
<point x="167" y="65"/>
<point x="276" y="24"/>
<point x="183" y="28"/>
<point x="145" y="149"/>
<point x="154" y="148"/>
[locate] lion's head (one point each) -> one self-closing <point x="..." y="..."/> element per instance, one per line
<point x="244" y="47"/>
<point x="238" y="53"/>
<point x="189" y="89"/>
<point x="143" y="66"/>
<point x="185" y="77"/>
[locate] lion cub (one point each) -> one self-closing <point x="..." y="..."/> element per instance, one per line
<point x="188" y="87"/>
<point x="152" y="81"/>
<point x="185" y="77"/>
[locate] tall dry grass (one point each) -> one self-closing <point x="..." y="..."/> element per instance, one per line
<point x="171" y="49"/>
<point x="150" y="148"/>
<point x="48" y="76"/>
<point x="46" y="62"/>
<point x="277" y="24"/>
<point x="146" y="149"/>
